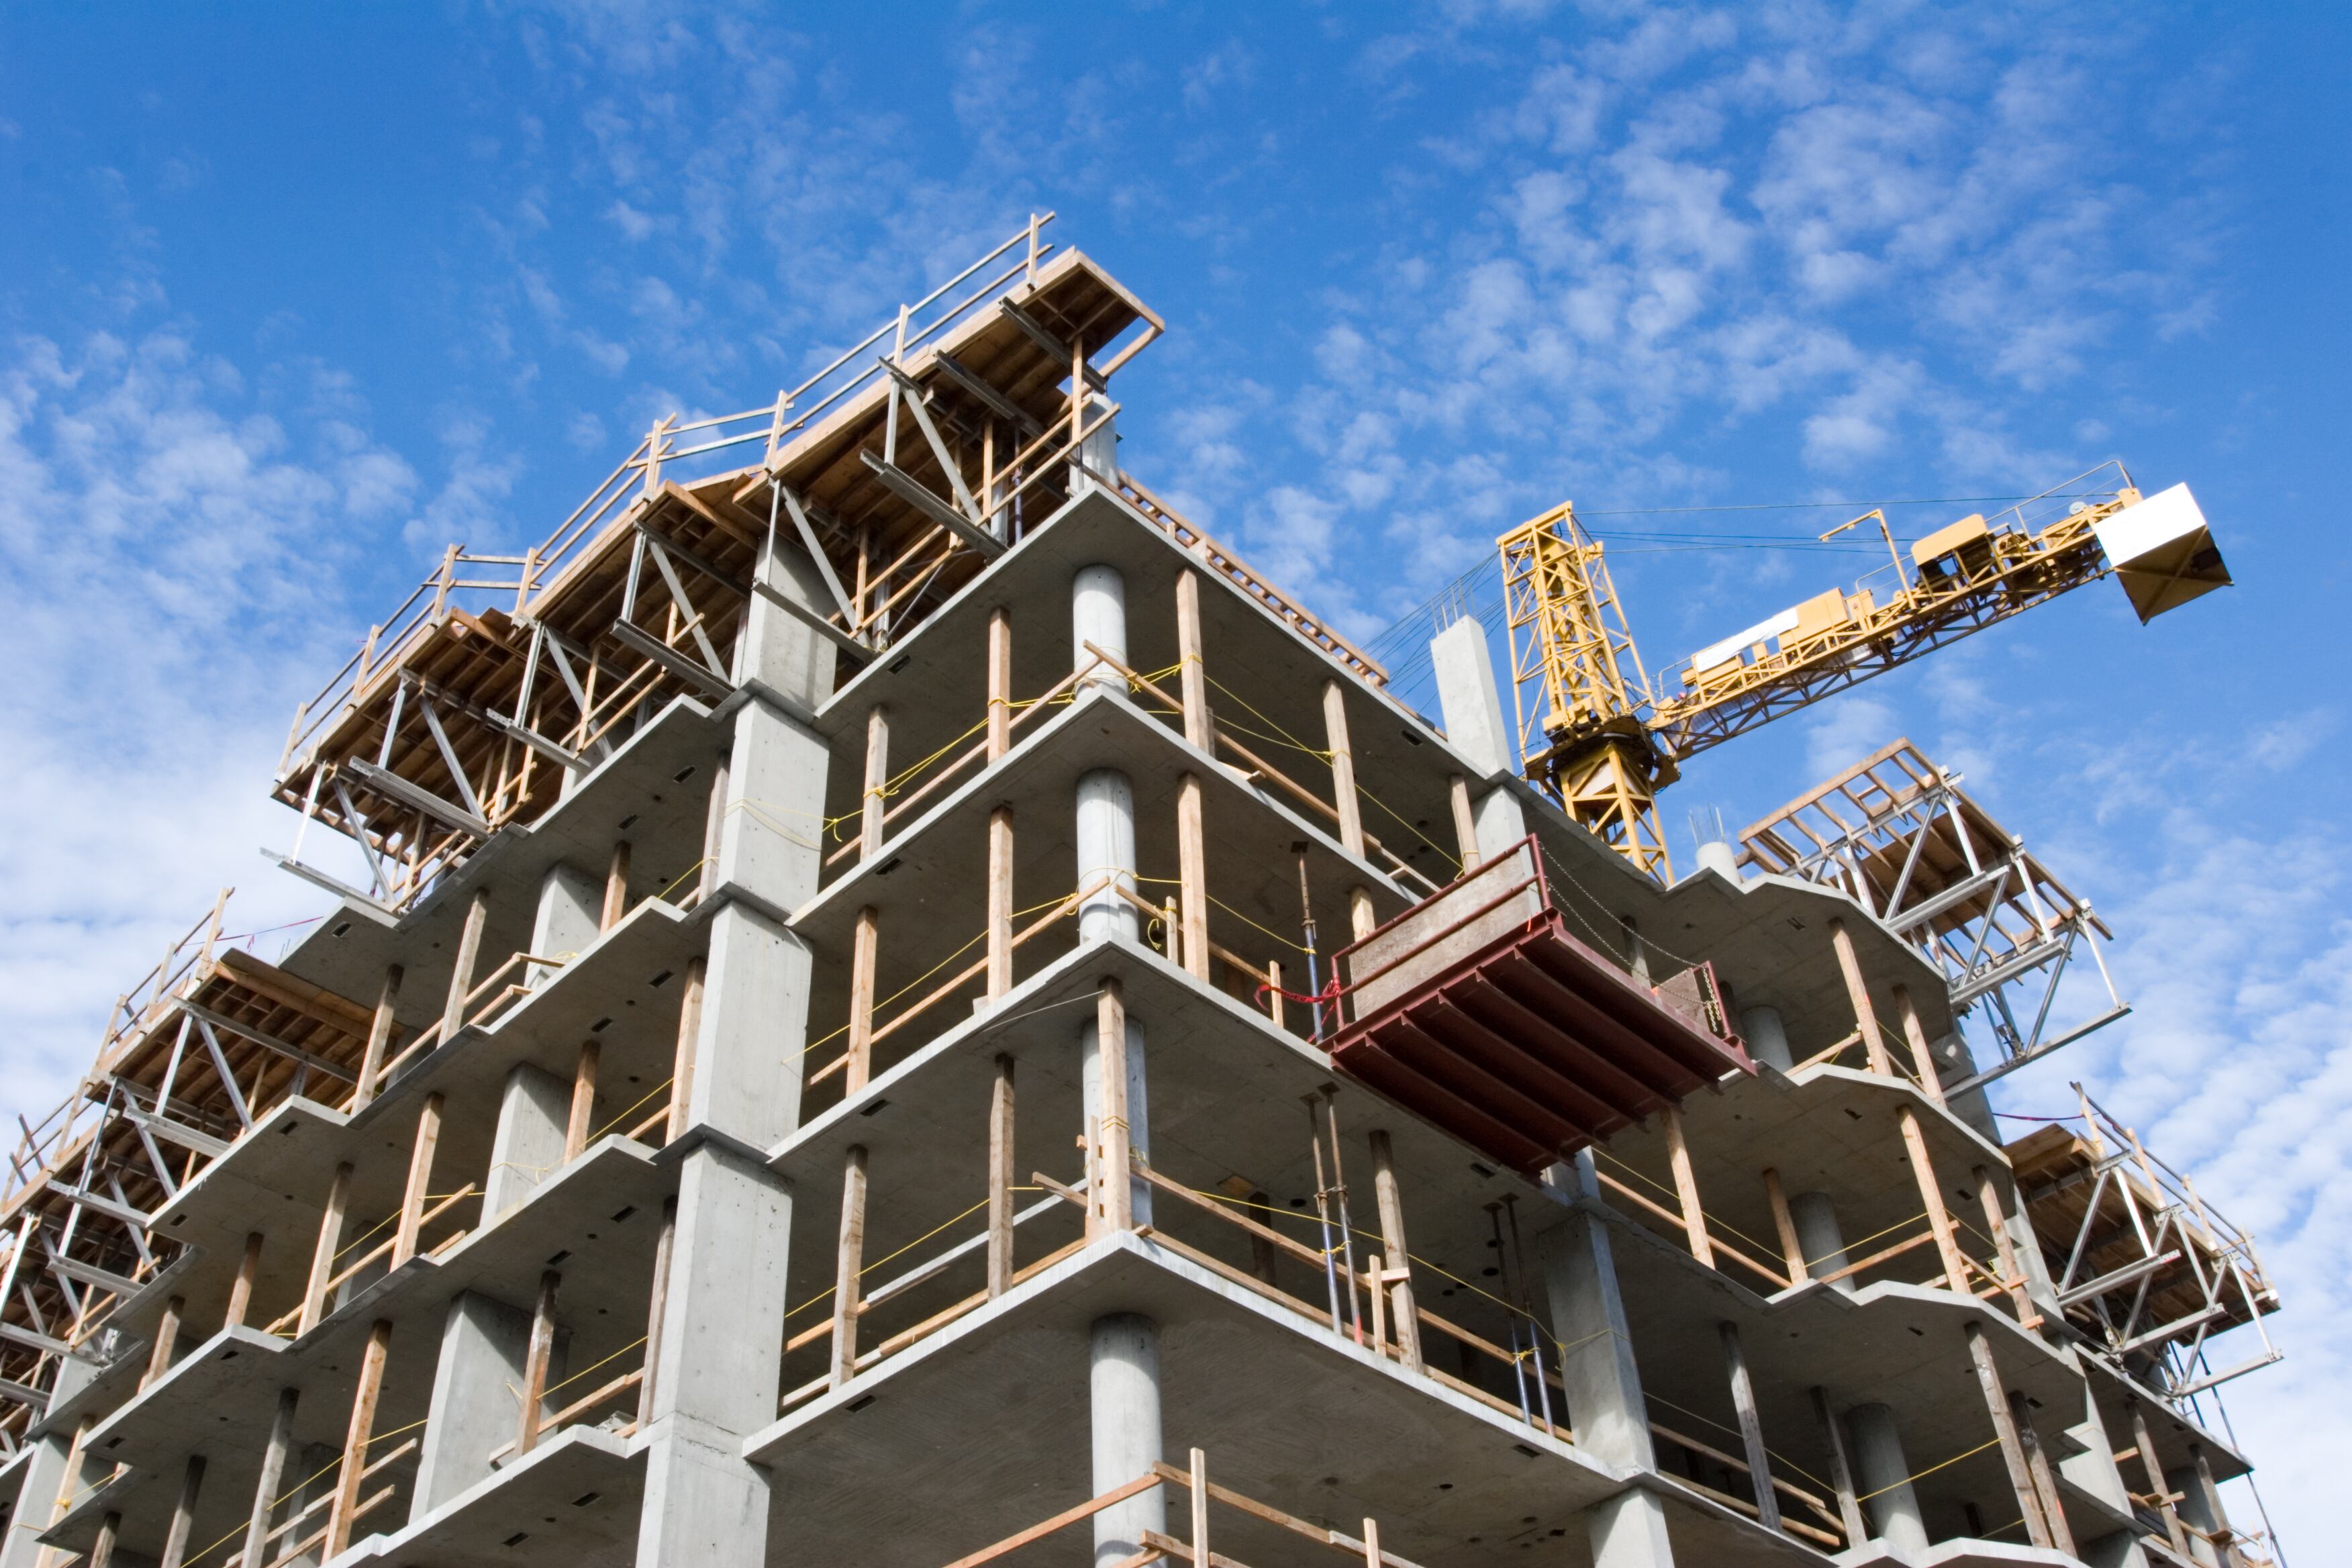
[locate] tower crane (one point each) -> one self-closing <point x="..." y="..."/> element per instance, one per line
<point x="1593" y="729"/>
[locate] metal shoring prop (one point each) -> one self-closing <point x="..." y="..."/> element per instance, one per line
<point x="1347" y="1232"/>
<point x="1307" y="919"/>
<point x="1502" y="1267"/>
<point x="1524" y="1297"/>
<point x="1323" y="1212"/>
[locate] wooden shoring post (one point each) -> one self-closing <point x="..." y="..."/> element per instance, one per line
<point x="616" y="887"/>
<point x="1115" y="1200"/>
<point x="1923" y="1060"/>
<point x="1792" y="1249"/>
<point x="2012" y="1451"/>
<point x="167" y="1340"/>
<point x="379" y="1039"/>
<point x="1865" y="1017"/>
<point x="1000" y="1179"/>
<point x="583" y="1098"/>
<point x="461" y="973"/>
<point x="1373" y="1271"/>
<point x="1000" y="902"/>
<point x="1751" y="1427"/>
<point x="1000" y="683"/>
<point x="1940" y="1219"/>
<point x="1200" y="727"/>
<point x="1343" y="768"/>
<point x="872" y="803"/>
<point x="1686" y="1185"/>
<point x="541" y="1351"/>
<point x="1274" y="992"/>
<point x="1390" y="1200"/>
<point x="102" y="1549"/>
<point x="1841" y="1474"/>
<point x="656" y="1307"/>
<point x="2145" y="1441"/>
<point x="1465" y="825"/>
<point x="420" y="1180"/>
<point x="322" y="1259"/>
<point x="714" y="826"/>
<point x="681" y="1074"/>
<point x="184" y="1514"/>
<point x="1200" y="1491"/>
<point x="2037" y="1465"/>
<point x="240" y="1289"/>
<point x="344" y="1512"/>
<point x="1363" y="918"/>
<point x="2011" y="1273"/>
<point x="1372" y="1542"/>
<point x="849" y="1261"/>
<point x="1192" y="875"/>
<point x="862" y="952"/>
<point x="273" y="1472"/>
<point x="69" y="1479"/>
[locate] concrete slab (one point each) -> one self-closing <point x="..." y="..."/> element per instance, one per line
<point x="572" y="1501"/>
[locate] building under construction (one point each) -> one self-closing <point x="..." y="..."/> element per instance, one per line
<point x="884" y="999"/>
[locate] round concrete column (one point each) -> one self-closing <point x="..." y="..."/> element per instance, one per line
<point x="1098" y="616"/>
<point x="1107" y="848"/>
<point x="1123" y="1395"/>
<point x="1818" y="1233"/>
<point x="1139" y="1104"/>
<point x="1768" y="1041"/>
<point x="1878" y="1464"/>
<point x="1717" y="856"/>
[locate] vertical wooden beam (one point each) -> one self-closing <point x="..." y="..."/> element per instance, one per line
<point x="1865" y="1017"/>
<point x="167" y="1340"/>
<point x="541" y="1349"/>
<point x="1923" y="1060"/>
<point x="1000" y="902"/>
<point x="616" y="887"/>
<point x="872" y="803"/>
<point x="2012" y="1451"/>
<point x="420" y="1180"/>
<point x="1988" y="1195"/>
<point x="1465" y="826"/>
<point x="322" y="1257"/>
<point x="1200" y="727"/>
<point x="1361" y="918"/>
<point x="69" y="1482"/>
<point x="1372" y="1558"/>
<point x="1374" y="1273"/>
<point x="344" y="1511"/>
<point x="1923" y="1169"/>
<point x="1343" y="768"/>
<point x="714" y="827"/>
<point x="1390" y="1200"/>
<point x="1000" y="683"/>
<point x="584" y="1100"/>
<point x="1192" y="875"/>
<point x="1116" y="1198"/>
<point x="2037" y="1465"/>
<point x="1200" y="1491"/>
<point x="102" y="1550"/>
<point x="1274" y="992"/>
<point x="1751" y="1427"/>
<point x="240" y="1289"/>
<point x="849" y="1261"/>
<point x="273" y="1473"/>
<point x="681" y="1072"/>
<point x="657" y="1308"/>
<point x="2144" y="1440"/>
<point x="862" y="952"/>
<point x="461" y="973"/>
<point x="1687" y="1186"/>
<point x="379" y="1039"/>
<point x="1792" y="1249"/>
<point x="1857" y="1530"/>
<point x="184" y="1514"/>
<point x="1000" y="1179"/>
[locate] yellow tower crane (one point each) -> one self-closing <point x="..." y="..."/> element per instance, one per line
<point x="1592" y="729"/>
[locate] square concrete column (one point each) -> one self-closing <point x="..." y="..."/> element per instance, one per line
<point x="472" y="1412"/>
<point x="1473" y="708"/>
<point x="534" y="1112"/>
<point x="44" y="1476"/>
<point x="571" y="912"/>
<point x="1588" y="1312"/>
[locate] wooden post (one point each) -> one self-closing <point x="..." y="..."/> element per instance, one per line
<point x="1200" y="1491"/>
<point x="1751" y="1428"/>
<point x="379" y="1040"/>
<point x="323" y="1259"/>
<point x="849" y="1261"/>
<point x="273" y="1472"/>
<point x="1192" y="875"/>
<point x="2012" y="1451"/>
<point x="1989" y="1196"/>
<point x="1116" y="1201"/>
<point x="184" y="1514"/>
<point x="714" y="827"/>
<point x="1686" y="1185"/>
<point x="344" y="1512"/>
<point x="1200" y="728"/>
<point x="420" y="1180"/>
<point x="167" y="1340"/>
<point x="461" y="974"/>
<point x="1857" y="1530"/>
<point x="1372" y="1543"/>
<point x="616" y="887"/>
<point x="1390" y="1201"/>
<point x="1866" y="1019"/>
<point x="1274" y="992"/>
<point x="584" y="1100"/>
<point x="1923" y="1061"/>
<point x="1792" y="1250"/>
<point x="872" y="804"/>
<point x="102" y="1550"/>
<point x="1373" y="1272"/>
<point x="534" y="1364"/>
<point x="69" y="1480"/>
<point x="2143" y="1439"/>
<point x="681" y="1072"/>
<point x="863" y="954"/>
<point x="664" y="1241"/>
<point x="1000" y="1179"/>
<point x="1000" y="902"/>
<point x="1362" y="917"/>
<point x="1343" y="768"/>
<point x="1465" y="826"/>
<point x="240" y="1289"/>
<point x="2037" y="1464"/>
<point x="1000" y="683"/>
<point x="1915" y="1142"/>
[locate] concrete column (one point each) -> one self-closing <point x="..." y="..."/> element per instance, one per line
<point x="1139" y="1106"/>
<point x="1098" y="616"/>
<point x="44" y="1476"/>
<point x="2091" y="1468"/>
<point x="1123" y="1400"/>
<point x="472" y="1412"/>
<point x="1767" y="1040"/>
<point x="1818" y="1232"/>
<point x="1099" y="450"/>
<point x="534" y="1112"/>
<point x="2200" y="1507"/>
<point x="1473" y="708"/>
<point x="1880" y="1468"/>
<point x="571" y="912"/>
<point x="1587" y="1314"/>
<point x="1721" y="858"/>
<point x="1106" y="847"/>
<point x="1629" y="1530"/>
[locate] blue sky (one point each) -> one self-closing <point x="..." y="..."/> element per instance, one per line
<point x="293" y="296"/>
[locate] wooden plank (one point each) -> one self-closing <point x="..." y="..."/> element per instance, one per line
<point x="1063" y="1519"/>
